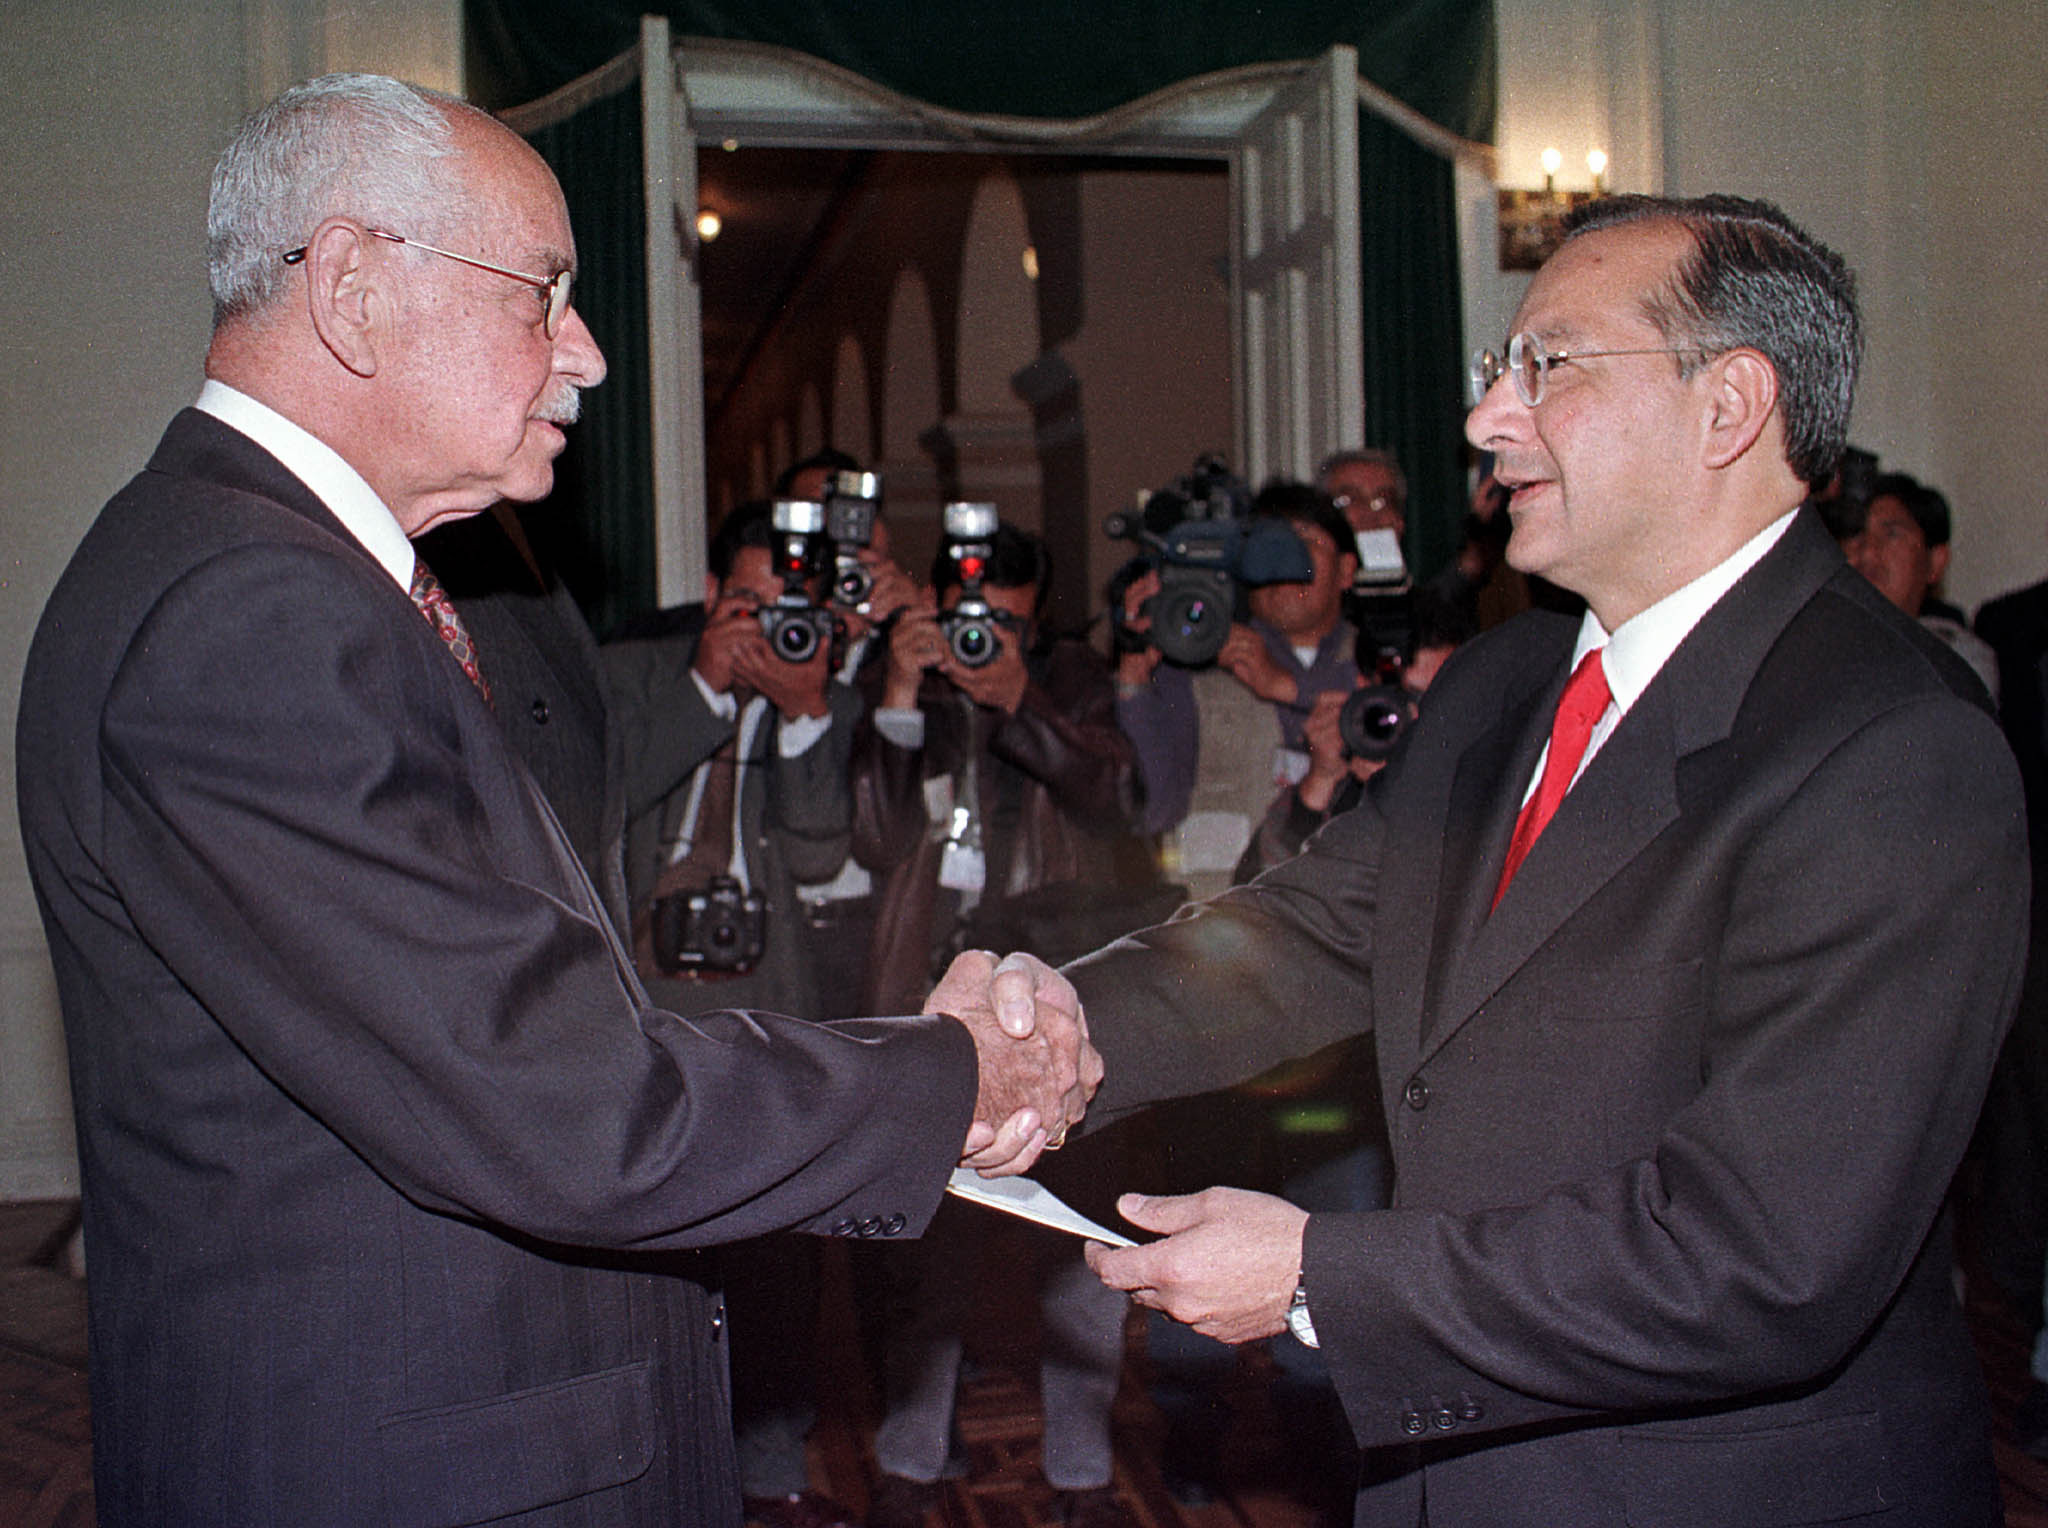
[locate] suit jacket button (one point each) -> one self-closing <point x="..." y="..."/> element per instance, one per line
<point x="1443" y="1418"/>
<point x="540" y="710"/>
<point x="1416" y="1094"/>
<point x="846" y="1228"/>
<point x="717" y="1319"/>
<point x="872" y="1226"/>
<point x="1412" y="1423"/>
<point x="894" y="1225"/>
<point x="1469" y="1410"/>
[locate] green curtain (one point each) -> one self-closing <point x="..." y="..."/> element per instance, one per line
<point x="1414" y="360"/>
<point x="1051" y="58"/>
<point x="598" y="529"/>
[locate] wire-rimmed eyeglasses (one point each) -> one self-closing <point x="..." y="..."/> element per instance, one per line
<point x="556" y="286"/>
<point x="1529" y="364"/>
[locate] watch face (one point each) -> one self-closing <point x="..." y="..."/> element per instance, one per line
<point x="1297" y="1318"/>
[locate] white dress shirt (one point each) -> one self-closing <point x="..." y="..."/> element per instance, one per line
<point x="1639" y="648"/>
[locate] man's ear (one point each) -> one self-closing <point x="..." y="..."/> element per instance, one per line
<point x="1937" y="564"/>
<point x="1743" y="396"/>
<point x="347" y="296"/>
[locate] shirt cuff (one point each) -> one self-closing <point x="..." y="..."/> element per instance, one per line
<point x="797" y="733"/>
<point x="903" y="728"/>
<point x="722" y="704"/>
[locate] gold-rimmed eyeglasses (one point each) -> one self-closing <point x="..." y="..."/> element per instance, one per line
<point x="556" y="286"/>
<point x="1530" y="364"/>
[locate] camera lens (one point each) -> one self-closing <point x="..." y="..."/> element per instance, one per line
<point x="1189" y="626"/>
<point x="1373" y="720"/>
<point x="793" y="638"/>
<point x="853" y="584"/>
<point x="974" y="644"/>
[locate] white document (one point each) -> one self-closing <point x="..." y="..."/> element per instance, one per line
<point x="1033" y="1201"/>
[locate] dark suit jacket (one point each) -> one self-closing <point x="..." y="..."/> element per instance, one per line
<point x="376" y="1127"/>
<point x="1672" y="1127"/>
<point x="546" y="684"/>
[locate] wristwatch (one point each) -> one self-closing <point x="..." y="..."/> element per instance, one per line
<point x="1297" y="1315"/>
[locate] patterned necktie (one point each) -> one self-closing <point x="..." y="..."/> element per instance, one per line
<point x="1579" y="709"/>
<point x="439" y="610"/>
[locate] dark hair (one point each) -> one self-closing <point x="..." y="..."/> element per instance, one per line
<point x="744" y="525"/>
<point x="1440" y="621"/>
<point x="829" y="459"/>
<point x="1285" y="499"/>
<point x="1016" y="560"/>
<point x="1756" y="280"/>
<point x="1926" y="505"/>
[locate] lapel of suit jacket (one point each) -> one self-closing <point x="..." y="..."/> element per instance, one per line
<point x="1630" y="793"/>
<point x="197" y="445"/>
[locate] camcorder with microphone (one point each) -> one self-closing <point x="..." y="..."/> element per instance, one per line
<point x="970" y="626"/>
<point x="1196" y="533"/>
<point x="851" y="500"/>
<point x="796" y="627"/>
<point x="724" y="927"/>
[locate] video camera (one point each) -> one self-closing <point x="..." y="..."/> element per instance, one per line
<point x="794" y="626"/>
<point x="970" y="626"/>
<point x="1195" y="532"/>
<point x="851" y="499"/>
<point x="721" y="928"/>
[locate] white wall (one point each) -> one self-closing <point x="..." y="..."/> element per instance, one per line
<point x="110" y="119"/>
<point x="1906" y="133"/>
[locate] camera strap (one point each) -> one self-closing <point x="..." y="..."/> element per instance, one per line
<point x="747" y="730"/>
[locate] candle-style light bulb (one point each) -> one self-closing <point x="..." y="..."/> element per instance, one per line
<point x="1596" y="161"/>
<point x="1552" y="161"/>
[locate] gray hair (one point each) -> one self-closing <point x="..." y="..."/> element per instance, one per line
<point x="342" y="145"/>
<point x="1366" y="456"/>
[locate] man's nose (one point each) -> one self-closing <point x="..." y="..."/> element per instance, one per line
<point x="1497" y="416"/>
<point x="576" y="354"/>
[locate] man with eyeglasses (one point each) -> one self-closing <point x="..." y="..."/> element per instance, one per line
<point x="1688" y="930"/>
<point x="390" y="1169"/>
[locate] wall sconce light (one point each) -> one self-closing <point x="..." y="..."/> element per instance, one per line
<point x="709" y="225"/>
<point x="1532" y="222"/>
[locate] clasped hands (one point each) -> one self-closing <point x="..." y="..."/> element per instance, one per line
<point x="1037" y="1069"/>
<point x="1227" y="1259"/>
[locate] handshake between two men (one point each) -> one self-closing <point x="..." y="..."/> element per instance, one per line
<point x="1227" y="1261"/>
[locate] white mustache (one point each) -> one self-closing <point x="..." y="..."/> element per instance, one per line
<point x="566" y="407"/>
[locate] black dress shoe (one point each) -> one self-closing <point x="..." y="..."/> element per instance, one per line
<point x="897" y="1502"/>
<point x="1099" y="1508"/>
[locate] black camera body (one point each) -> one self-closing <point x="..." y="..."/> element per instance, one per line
<point x="795" y="627"/>
<point x="851" y="500"/>
<point x="970" y="627"/>
<point x="721" y="928"/>
<point x="1194" y="531"/>
<point x="1375" y="717"/>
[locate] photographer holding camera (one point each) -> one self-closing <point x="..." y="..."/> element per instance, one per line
<point x="991" y="789"/>
<point x="1215" y="743"/>
<point x="736" y="753"/>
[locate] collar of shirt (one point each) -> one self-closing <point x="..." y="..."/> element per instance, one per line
<point x="319" y="466"/>
<point x="1639" y="648"/>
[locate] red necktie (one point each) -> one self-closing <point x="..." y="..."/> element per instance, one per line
<point x="439" y="610"/>
<point x="1581" y="706"/>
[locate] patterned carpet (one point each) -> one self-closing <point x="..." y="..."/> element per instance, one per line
<point x="45" y="1443"/>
